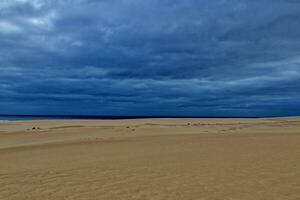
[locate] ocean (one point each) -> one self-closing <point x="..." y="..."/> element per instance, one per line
<point x="4" y="118"/>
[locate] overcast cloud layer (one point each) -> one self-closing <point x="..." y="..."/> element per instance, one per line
<point x="158" y="57"/>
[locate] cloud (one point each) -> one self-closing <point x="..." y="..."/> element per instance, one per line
<point x="7" y="28"/>
<point x="150" y="57"/>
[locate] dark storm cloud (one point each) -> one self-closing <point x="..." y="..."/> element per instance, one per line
<point x="227" y="57"/>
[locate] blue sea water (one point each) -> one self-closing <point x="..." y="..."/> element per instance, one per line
<point x="4" y="118"/>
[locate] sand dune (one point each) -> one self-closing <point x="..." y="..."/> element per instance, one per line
<point x="242" y="159"/>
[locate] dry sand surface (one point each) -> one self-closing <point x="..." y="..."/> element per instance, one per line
<point x="214" y="159"/>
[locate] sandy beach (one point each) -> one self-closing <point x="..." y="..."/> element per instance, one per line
<point x="213" y="159"/>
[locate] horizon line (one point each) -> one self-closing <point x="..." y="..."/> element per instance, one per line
<point x="136" y="116"/>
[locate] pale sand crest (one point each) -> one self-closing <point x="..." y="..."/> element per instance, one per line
<point x="214" y="159"/>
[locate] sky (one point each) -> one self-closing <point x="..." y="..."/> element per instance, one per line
<point x="155" y="57"/>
